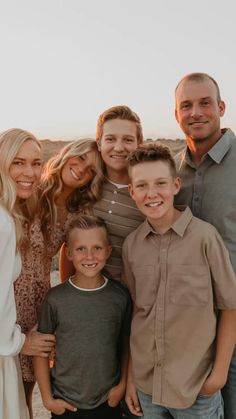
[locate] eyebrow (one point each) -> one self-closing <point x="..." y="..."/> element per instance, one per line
<point x="124" y="135"/>
<point x="201" y="98"/>
<point x="22" y="159"/>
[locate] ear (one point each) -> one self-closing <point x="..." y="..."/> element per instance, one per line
<point x="177" y="185"/>
<point x="176" y="115"/>
<point x="68" y="253"/>
<point x="109" y="250"/>
<point x="131" y="190"/>
<point x="222" y="107"/>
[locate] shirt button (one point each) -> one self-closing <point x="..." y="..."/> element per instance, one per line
<point x="159" y="364"/>
<point x="199" y="173"/>
<point x="113" y="202"/>
<point x="110" y="211"/>
<point x="115" y="192"/>
<point x="196" y="199"/>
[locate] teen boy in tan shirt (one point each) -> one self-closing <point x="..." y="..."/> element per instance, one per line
<point x="184" y="292"/>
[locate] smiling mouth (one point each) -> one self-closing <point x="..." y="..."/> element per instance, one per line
<point x="153" y="204"/>
<point x="25" y="184"/>
<point x="199" y="123"/>
<point x="75" y="176"/>
<point x="89" y="265"/>
<point x="118" y="157"/>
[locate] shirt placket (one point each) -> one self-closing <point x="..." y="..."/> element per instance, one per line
<point x="160" y="319"/>
<point x="198" y="187"/>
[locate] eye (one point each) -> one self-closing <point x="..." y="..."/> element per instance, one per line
<point x="205" y="102"/>
<point x="185" y="106"/>
<point x="140" y="185"/>
<point x="38" y="163"/>
<point x="98" y="248"/>
<point x="129" y="140"/>
<point x="17" y="163"/>
<point x="109" y="139"/>
<point x="80" y="249"/>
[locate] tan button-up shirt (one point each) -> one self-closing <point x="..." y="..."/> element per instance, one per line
<point x="177" y="281"/>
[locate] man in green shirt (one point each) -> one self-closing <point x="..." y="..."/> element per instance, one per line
<point x="207" y="168"/>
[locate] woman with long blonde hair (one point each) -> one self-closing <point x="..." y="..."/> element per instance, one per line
<point x="70" y="183"/>
<point x="20" y="170"/>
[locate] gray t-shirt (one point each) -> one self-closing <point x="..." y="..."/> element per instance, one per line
<point x="89" y="327"/>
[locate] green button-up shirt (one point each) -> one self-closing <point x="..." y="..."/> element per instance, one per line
<point x="210" y="188"/>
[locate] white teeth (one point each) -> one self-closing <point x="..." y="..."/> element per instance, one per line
<point x="92" y="265"/>
<point x="153" y="204"/>
<point x="74" y="174"/>
<point x="25" y="184"/>
<point x="119" y="157"/>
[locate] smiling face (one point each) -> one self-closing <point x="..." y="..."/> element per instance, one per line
<point x="153" y="189"/>
<point x="25" y="169"/>
<point x="78" y="171"/>
<point x="198" y="111"/>
<point x="88" y="250"/>
<point x="119" y="139"/>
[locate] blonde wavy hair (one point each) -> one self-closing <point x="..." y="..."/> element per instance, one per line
<point x="23" y="212"/>
<point x="51" y="183"/>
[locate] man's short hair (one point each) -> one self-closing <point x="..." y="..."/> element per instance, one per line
<point x="119" y="112"/>
<point x="200" y="77"/>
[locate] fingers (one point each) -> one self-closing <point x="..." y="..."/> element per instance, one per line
<point x="69" y="406"/>
<point x="112" y="402"/>
<point x="133" y="405"/>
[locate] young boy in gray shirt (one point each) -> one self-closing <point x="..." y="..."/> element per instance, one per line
<point x="90" y="316"/>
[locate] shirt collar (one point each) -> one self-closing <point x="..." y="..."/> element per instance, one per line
<point x="219" y="149"/>
<point x="216" y="153"/>
<point x="179" y="226"/>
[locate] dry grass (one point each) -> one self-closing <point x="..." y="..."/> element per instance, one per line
<point x="50" y="148"/>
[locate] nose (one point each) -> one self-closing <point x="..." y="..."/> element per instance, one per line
<point x="89" y="254"/>
<point x="28" y="170"/>
<point x="152" y="191"/>
<point x="196" y="111"/>
<point x="118" y="146"/>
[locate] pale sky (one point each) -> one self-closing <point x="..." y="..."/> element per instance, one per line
<point x="63" y="62"/>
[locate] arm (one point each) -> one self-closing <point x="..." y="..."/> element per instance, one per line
<point x="131" y="396"/>
<point x="11" y="337"/>
<point x="65" y="265"/>
<point x="226" y="337"/>
<point x="38" y="344"/>
<point x="117" y="392"/>
<point x="42" y="373"/>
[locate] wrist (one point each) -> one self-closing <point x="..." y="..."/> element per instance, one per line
<point x="219" y="376"/>
<point x="47" y="401"/>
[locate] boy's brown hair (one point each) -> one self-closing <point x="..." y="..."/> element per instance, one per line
<point x="149" y="153"/>
<point x="119" y="112"/>
<point x="86" y="222"/>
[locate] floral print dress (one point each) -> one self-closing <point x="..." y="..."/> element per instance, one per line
<point x="34" y="280"/>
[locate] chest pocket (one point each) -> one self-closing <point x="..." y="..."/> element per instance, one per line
<point x="189" y="285"/>
<point x="145" y="285"/>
